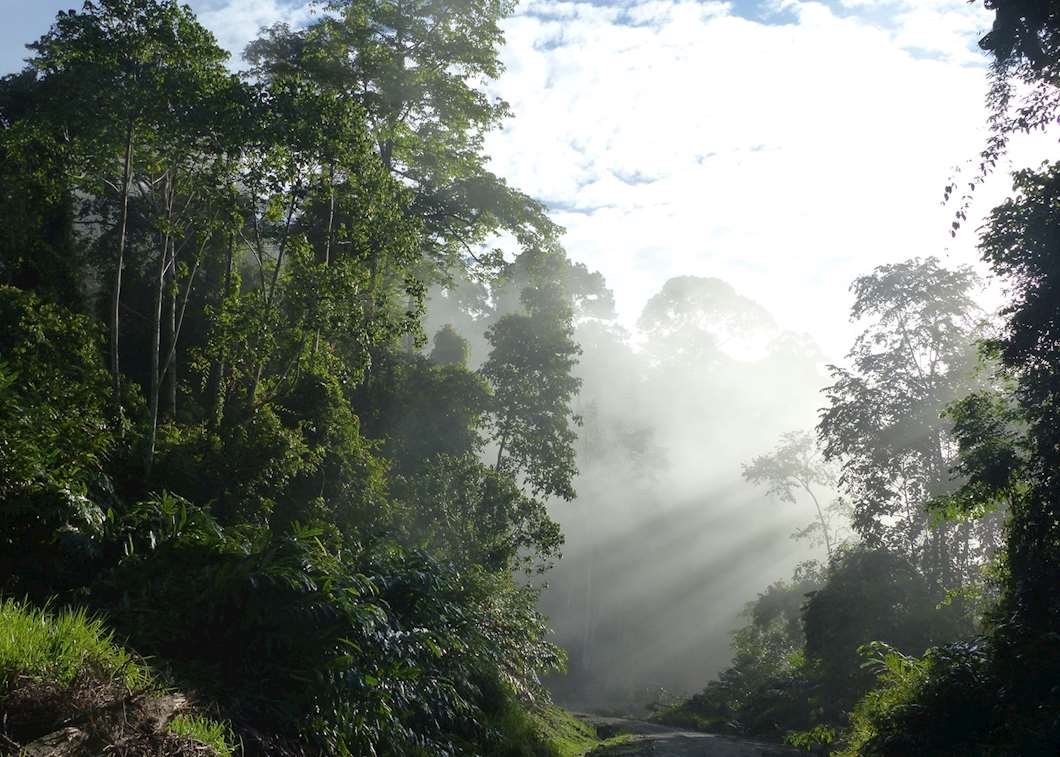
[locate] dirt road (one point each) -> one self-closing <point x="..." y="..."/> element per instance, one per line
<point x="651" y="740"/>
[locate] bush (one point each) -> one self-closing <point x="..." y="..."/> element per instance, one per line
<point x="931" y="705"/>
<point x="344" y="647"/>
<point x="55" y="435"/>
<point x="870" y="595"/>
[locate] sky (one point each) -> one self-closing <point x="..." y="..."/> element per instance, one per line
<point x="781" y="145"/>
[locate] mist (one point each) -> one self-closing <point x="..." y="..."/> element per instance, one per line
<point x="665" y="542"/>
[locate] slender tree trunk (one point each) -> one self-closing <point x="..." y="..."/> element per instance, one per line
<point x="217" y="366"/>
<point x="500" y="451"/>
<point x="327" y="238"/>
<point x="410" y="342"/>
<point x="281" y="251"/>
<point x="587" y="628"/>
<point x="156" y="352"/>
<point x="115" y="302"/>
<point x="944" y="568"/>
<point x="171" y="333"/>
<point x="165" y="257"/>
<point x="821" y="518"/>
<point x="272" y="288"/>
<point x="331" y="214"/>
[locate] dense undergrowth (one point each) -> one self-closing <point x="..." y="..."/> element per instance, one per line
<point x="61" y="669"/>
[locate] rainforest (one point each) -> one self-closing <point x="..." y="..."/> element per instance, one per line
<point x="431" y="378"/>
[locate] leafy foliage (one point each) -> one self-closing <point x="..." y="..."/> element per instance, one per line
<point x="57" y="436"/>
<point x="997" y="693"/>
<point x="531" y="421"/>
<point x="870" y="595"/>
<point x="269" y="491"/>
<point x="882" y="422"/>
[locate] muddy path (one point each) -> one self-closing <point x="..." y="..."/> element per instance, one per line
<point x="653" y="740"/>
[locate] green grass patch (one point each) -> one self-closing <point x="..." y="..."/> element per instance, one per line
<point x="215" y="735"/>
<point x="67" y="659"/>
<point x="682" y="716"/>
<point x="60" y="647"/>
<point x="565" y="734"/>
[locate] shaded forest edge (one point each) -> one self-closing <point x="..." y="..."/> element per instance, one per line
<point x="219" y="429"/>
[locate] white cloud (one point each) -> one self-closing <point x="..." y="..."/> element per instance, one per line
<point x="236" y="22"/>
<point x="675" y="137"/>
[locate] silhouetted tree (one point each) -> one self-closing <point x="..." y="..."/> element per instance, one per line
<point x="794" y="465"/>
<point x="883" y="423"/>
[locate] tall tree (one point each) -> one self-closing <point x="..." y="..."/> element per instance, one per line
<point x="530" y="370"/>
<point x="792" y="466"/>
<point x="693" y="320"/>
<point x="37" y="246"/>
<point x="137" y="67"/>
<point x="418" y="68"/>
<point x="883" y="420"/>
<point x="1020" y="244"/>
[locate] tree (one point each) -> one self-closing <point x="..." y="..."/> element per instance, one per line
<point x="324" y="221"/>
<point x="418" y="69"/>
<point x="869" y="594"/>
<point x="530" y="372"/>
<point x="139" y="67"/>
<point x="1024" y="42"/>
<point x="449" y="347"/>
<point x="313" y="542"/>
<point x="883" y="424"/>
<point x="421" y="409"/>
<point x="694" y="319"/>
<point x="793" y="465"/>
<point x="1019" y="243"/>
<point x="37" y="245"/>
<point x="997" y="692"/>
<point x="471" y="514"/>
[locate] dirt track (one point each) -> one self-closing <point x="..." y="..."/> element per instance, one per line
<point x="651" y="740"/>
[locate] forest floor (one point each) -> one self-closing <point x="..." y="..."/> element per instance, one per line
<point x="653" y="740"/>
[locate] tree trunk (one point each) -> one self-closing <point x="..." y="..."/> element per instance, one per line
<point x="156" y="350"/>
<point x="500" y="451"/>
<point x="327" y="238"/>
<point x="217" y="365"/>
<point x="115" y="301"/>
<point x="156" y="377"/>
<point x="821" y="518"/>
<point x="171" y="333"/>
<point x="272" y="287"/>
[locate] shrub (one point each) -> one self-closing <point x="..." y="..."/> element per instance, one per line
<point x="55" y="434"/>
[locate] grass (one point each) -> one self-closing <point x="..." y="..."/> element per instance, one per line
<point x="565" y="734"/>
<point x="215" y="735"/>
<point x="66" y="660"/>
<point x="60" y="647"/>
<point x="681" y="715"/>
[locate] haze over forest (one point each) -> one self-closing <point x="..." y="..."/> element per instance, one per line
<point x="399" y="377"/>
